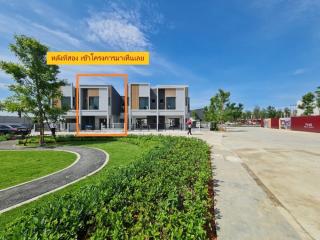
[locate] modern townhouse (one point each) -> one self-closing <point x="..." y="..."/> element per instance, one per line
<point x="99" y="107"/>
<point x="102" y="108"/>
<point x="159" y="107"/>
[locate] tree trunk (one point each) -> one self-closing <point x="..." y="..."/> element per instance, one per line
<point x="41" y="140"/>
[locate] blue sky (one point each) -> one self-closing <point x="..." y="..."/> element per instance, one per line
<point x="266" y="52"/>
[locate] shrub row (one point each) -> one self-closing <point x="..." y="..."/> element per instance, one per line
<point x="3" y="138"/>
<point x="73" y="138"/>
<point x="6" y="137"/>
<point x="164" y="195"/>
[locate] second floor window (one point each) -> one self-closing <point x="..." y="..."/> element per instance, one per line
<point x="171" y="103"/>
<point x="66" y="102"/>
<point x="93" y="103"/>
<point x="143" y="103"/>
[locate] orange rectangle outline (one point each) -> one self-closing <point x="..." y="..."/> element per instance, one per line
<point x="125" y="127"/>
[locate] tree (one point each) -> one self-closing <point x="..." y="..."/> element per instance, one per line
<point x="35" y="83"/>
<point x="263" y="113"/>
<point x="279" y="113"/>
<point x="256" y="112"/>
<point x="216" y="110"/>
<point x="194" y="115"/>
<point x="287" y="112"/>
<point x="317" y="92"/>
<point x="247" y="115"/>
<point x="233" y="111"/>
<point x="307" y="103"/>
<point x="271" y="112"/>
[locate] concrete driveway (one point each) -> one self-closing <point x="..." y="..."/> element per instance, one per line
<point x="285" y="165"/>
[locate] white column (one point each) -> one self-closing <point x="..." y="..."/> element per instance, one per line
<point x="129" y="108"/>
<point x="71" y="102"/>
<point x="79" y="107"/>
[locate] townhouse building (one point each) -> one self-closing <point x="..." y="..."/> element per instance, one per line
<point x="159" y="107"/>
<point x="101" y="107"/>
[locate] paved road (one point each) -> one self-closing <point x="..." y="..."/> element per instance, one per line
<point x="91" y="160"/>
<point x="267" y="183"/>
<point x="288" y="164"/>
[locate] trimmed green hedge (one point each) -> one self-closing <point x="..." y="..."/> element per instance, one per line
<point x="3" y="138"/>
<point x="164" y="195"/>
<point x="6" y="137"/>
<point x="73" y="138"/>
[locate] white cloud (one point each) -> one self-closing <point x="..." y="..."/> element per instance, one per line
<point x="299" y="71"/>
<point x="117" y="32"/>
<point x="125" y="26"/>
<point x="59" y="34"/>
<point x="55" y="38"/>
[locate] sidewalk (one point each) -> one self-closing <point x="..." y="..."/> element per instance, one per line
<point x="243" y="209"/>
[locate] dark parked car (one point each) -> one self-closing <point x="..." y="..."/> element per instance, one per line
<point x="88" y="127"/>
<point x="4" y="129"/>
<point x="19" y="129"/>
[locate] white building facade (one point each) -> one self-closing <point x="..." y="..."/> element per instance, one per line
<point x="160" y="107"/>
<point x="101" y="107"/>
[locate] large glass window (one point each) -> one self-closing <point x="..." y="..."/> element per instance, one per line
<point x="93" y="103"/>
<point x="143" y="103"/>
<point x="171" y="102"/>
<point x="66" y="102"/>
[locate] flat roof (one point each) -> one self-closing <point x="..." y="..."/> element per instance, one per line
<point x="139" y="83"/>
<point x="171" y="86"/>
<point x="134" y="83"/>
<point x="94" y="85"/>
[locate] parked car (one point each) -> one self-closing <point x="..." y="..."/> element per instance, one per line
<point x="19" y="129"/>
<point x="4" y="129"/>
<point x="88" y="127"/>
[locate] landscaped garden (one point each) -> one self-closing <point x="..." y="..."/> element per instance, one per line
<point x="22" y="166"/>
<point x="153" y="187"/>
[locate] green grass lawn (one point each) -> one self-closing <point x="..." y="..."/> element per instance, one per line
<point x="121" y="154"/>
<point x="22" y="166"/>
<point x="153" y="187"/>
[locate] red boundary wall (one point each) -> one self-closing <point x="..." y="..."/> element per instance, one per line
<point x="275" y="123"/>
<point x="306" y="123"/>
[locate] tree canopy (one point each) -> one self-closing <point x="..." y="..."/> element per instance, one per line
<point x="221" y="109"/>
<point x="317" y="92"/>
<point x="35" y="85"/>
<point x="307" y="103"/>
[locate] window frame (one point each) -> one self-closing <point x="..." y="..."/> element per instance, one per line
<point x="147" y="105"/>
<point x="63" y="102"/>
<point x="175" y="103"/>
<point x="93" y="97"/>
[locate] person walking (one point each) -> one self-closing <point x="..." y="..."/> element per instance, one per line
<point x="53" y="129"/>
<point x="189" y="125"/>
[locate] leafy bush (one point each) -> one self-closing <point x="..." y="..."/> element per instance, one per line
<point x="8" y="136"/>
<point x="64" y="138"/>
<point x="3" y="138"/>
<point x="72" y="138"/>
<point x="164" y="195"/>
<point x="35" y="140"/>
